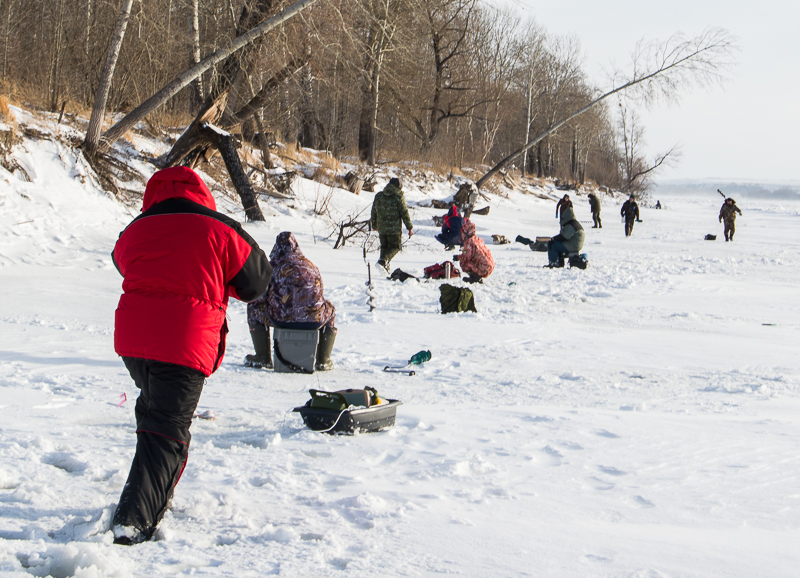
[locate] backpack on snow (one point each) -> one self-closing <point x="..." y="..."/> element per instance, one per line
<point x="456" y="299"/>
<point x="580" y="261"/>
<point x="437" y="271"/>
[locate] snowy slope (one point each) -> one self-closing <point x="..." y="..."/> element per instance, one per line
<point x="633" y="419"/>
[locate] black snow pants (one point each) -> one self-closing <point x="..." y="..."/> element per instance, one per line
<point x="629" y="226"/>
<point x="164" y="411"/>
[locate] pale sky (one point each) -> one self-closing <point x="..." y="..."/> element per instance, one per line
<point x="745" y="130"/>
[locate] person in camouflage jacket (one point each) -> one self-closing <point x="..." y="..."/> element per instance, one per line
<point x="295" y="293"/>
<point x="728" y="214"/>
<point x="476" y="259"/>
<point x="295" y="296"/>
<point x="389" y="213"/>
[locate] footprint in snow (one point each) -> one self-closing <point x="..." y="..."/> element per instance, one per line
<point x="611" y="471"/>
<point x="643" y="503"/>
<point x="571" y="446"/>
<point x="552" y="455"/>
<point x="538" y="418"/>
<point x="606" y="434"/>
<point x="64" y="461"/>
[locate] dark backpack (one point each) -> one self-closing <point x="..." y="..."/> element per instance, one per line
<point x="579" y="261"/>
<point x="456" y="299"/>
<point x="400" y="275"/>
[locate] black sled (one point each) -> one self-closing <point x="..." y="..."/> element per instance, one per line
<point x="348" y="411"/>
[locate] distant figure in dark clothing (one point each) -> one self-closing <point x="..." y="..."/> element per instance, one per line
<point x="630" y="210"/>
<point x="451" y="229"/>
<point x="569" y="240"/>
<point x="562" y="204"/>
<point x="594" y="204"/>
<point x="658" y="204"/>
<point x="728" y="214"/>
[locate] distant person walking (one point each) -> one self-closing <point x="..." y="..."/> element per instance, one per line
<point x="594" y="204"/>
<point x="727" y="214"/>
<point x="630" y="210"/>
<point x="389" y="213"/>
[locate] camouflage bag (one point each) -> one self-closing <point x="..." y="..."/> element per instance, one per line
<point x="456" y="299"/>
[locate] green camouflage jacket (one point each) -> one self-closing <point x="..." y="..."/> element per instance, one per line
<point x="389" y="210"/>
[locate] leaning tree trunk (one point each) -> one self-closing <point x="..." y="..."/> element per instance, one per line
<point x="92" y="139"/>
<point x="223" y="142"/>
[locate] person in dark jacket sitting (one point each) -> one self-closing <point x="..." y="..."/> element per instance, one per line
<point x="451" y="229"/>
<point x="569" y="240"/>
<point x="180" y="261"/>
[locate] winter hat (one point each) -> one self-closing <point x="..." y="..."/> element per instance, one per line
<point x="396" y="182"/>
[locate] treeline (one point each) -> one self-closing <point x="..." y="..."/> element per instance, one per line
<point x="449" y="82"/>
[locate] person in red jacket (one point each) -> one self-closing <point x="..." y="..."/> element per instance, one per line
<point x="180" y="261"/>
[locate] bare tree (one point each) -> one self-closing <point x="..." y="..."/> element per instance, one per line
<point x="92" y="139"/>
<point x="660" y="72"/>
<point x="182" y="80"/>
<point x="636" y="169"/>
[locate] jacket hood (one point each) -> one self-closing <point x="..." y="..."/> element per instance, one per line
<point x="285" y="245"/>
<point x="390" y="189"/>
<point x="567" y="215"/>
<point x="467" y="230"/>
<point x="180" y="183"/>
<point x="453" y="212"/>
<point x="731" y="200"/>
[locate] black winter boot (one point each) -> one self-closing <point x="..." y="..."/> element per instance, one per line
<point x="327" y="336"/>
<point x="262" y="359"/>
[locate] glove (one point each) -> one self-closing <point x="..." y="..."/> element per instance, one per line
<point x="720" y="219"/>
<point x="456" y="257"/>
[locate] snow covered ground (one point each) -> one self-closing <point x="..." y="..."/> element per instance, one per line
<point x="633" y="419"/>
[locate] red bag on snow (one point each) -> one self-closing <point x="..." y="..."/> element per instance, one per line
<point x="437" y="271"/>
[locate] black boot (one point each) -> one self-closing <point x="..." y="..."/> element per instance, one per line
<point x="262" y="358"/>
<point x="327" y="336"/>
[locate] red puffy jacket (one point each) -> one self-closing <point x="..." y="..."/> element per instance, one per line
<point x="180" y="261"/>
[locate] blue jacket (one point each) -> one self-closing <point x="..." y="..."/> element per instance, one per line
<point x="451" y="228"/>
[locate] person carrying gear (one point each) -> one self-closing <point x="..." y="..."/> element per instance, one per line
<point x="180" y="261"/>
<point x="389" y="213"/>
<point x="594" y="204"/>
<point x="476" y="259"/>
<point x="569" y="240"/>
<point x="727" y="214"/>
<point x="630" y="210"/>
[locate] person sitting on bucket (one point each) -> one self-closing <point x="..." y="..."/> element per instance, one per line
<point x="451" y="229"/>
<point x="294" y="299"/>
<point x="569" y="240"/>
<point x="476" y="259"/>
